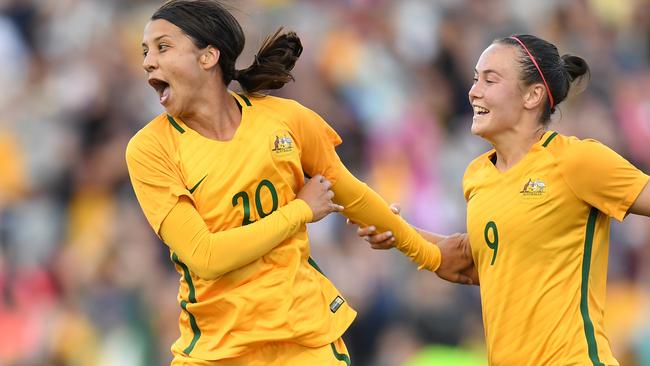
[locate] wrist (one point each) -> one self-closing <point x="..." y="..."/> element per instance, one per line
<point x="436" y="249"/>
<point x="305" y="211"/>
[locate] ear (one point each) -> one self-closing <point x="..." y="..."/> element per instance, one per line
<point x="209" y="57"/>
<point x="534" y="96"/>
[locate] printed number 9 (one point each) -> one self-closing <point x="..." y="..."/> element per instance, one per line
<point x="492" y="244"/>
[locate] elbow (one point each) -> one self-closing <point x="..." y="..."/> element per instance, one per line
<point x="211" y="271"/>
<point x="209" y="275"/>
<point x="204" y="272"/>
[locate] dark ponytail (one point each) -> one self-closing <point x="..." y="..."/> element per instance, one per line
<point x="208" y="23"/>
<point x="560" y="73"/>
<point x="273" y="63"/>
<point x="576" y="67"/>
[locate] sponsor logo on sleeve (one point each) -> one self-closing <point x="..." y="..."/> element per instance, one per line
<point x="336" y="304"/>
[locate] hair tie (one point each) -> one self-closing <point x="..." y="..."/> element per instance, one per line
<point x="548" y="90"/>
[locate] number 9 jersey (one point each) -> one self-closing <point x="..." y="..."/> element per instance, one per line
<point x="540" y="238"/>
<point x="281" y="296"/>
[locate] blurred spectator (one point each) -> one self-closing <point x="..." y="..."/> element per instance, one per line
<point x="83" y="281"/>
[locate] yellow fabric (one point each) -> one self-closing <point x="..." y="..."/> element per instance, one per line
<point x="602" y="178"/>
<point x="205" y="253"/>
<point x="366" y="207"/>
<point x="279" y="296"/>
<point x="541" y="251"/>
<point x="280" y="354"/>
<point x="13" y="180"/>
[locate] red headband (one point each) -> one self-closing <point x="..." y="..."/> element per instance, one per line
<point x="548" y="90"/>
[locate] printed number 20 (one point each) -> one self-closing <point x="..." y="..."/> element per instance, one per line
<point x="494" y="243"/>
<point x="258" y="201"/>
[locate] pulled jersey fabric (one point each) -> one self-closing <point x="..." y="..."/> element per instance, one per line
<point x="281" y="296"/>
<point x="540" y="238"/>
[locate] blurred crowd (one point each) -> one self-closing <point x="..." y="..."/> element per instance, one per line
<point x="85" y="282"/>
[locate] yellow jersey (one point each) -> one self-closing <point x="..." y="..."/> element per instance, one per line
<point x="281" y="296"/>
<point x="540" y="238"/>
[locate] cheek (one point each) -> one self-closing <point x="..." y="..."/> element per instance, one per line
<point x="183" y="68"/>
<point x="504" y="100"/>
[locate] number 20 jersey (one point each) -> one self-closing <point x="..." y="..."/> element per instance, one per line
<point x="282" y="296"/>
<point x="540" y="237"/>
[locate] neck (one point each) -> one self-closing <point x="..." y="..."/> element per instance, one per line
<point x="215" y="115"/>
<point x="512" y="146"/>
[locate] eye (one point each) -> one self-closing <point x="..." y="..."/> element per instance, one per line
<point x="490" y="81"/>
<point x="475" y="79"/>
<point x="144" y="53"/>
<point x="162" y="47"/>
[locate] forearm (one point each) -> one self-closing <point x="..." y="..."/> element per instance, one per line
<point x="210" y="255"/>
<point x="429" y="236"/>
<point x="366" y="207"/>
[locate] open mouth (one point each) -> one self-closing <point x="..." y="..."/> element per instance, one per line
<point x="480" y="111"/>
<point x="162" y="88"/>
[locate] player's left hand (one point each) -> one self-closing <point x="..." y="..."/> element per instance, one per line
<point x="381" y="241"/>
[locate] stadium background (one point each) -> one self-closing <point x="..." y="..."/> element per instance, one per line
<point x="83" y="280"/>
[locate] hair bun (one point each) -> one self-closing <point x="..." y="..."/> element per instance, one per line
<point x="575" y="66"/>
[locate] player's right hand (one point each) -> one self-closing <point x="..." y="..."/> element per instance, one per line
<point x="318" y="195"/>
<point x="457" y="264"/>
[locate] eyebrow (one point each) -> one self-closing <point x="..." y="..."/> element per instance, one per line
<point x="155" y="39"/>
<point x="488" y="71"/>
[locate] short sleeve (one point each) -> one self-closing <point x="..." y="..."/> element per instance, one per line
<point x="601" y="177"/>
<point x="467" y="187"/>
<point x="155" y="178"/>
<point x="473" y="174"/>
<point x="317" y="142"/>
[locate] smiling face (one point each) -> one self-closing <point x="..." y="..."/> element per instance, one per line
<point x="171" y="61"/>
<point x="496" y="95"/>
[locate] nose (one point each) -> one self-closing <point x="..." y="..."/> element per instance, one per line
<point x="149" y="63"/>
<point x="475" y="91"/>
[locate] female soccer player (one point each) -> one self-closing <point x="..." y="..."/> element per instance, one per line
<point x="538" y="211"/>
<point x="220" y="178"/>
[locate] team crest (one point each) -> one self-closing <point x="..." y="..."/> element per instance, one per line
<point x="534" y="188"/>
<point x="282" y="143"/>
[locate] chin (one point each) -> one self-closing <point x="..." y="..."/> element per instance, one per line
<point x="477" y="129"/>
<point x="483" y="127"/>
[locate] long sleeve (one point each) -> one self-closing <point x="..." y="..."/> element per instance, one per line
<point x="365" y="206"/>
<point x="317" y="141"/>
<point x="210" y="255"/>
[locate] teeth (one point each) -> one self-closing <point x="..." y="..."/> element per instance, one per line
<point x="480" y="110"/>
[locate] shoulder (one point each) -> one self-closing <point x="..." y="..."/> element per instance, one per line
<point x="289" y="110"/>
<point x="558" y="144"/>
<point x="276" y="105"/>
<point x="298" y="118"/>
<point x="571" y="152"/>
<point x="476" y="166"/>
<point x="157" y="135"/>
<point x="476" y="172"/>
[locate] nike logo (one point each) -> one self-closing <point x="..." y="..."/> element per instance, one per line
<point x="470" y="197"/>
<point x="197" y="185"/>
